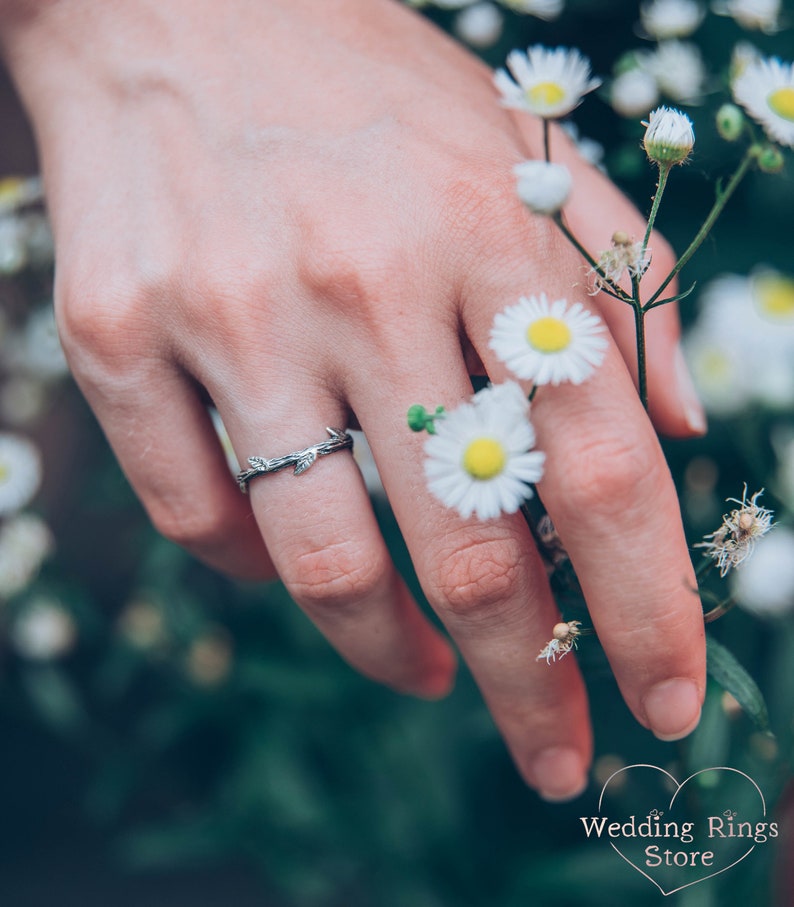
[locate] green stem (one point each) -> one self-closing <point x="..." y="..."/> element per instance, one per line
<point x="642" y="368"/>
<point x="531" y="395"/>
<point x="664" y="172"/>
<point x="547" y="140"/>
<point x="719" y="203"/>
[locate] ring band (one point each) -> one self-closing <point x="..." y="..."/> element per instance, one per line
<point x="301" y="459"/>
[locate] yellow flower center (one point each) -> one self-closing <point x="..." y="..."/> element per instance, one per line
<point x="484" y="458"/>
<point x="775" y="297"/>
<point x="545" y="94"/>
<point x="715" y="366"/>
<point x="549" y="335"/>
<point x="781" y="100"/>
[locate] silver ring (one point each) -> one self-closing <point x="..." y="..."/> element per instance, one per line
<point x="301" y="459"/>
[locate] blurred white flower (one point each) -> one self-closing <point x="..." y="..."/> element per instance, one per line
<point x="678" y="69"/>
<point x="765" y="88"/>
<point x="362" y="454"/>
<point x="589" y="149"/>
<point x="20" y="472"/>
<point x="542" y="9"/>
<point x="542" y="186"/>
<point x="39" y="242"/>
<point x="548" y="343"/>
<point x="13" y="252"/>
<point x="741" y="347"/>
<point x="452" y="4"/>
<point x="36" y="349"/>
<point x="669" y="136"/>
<point x="141" y="624"/>
<point x="663" y="19"/>
<point x="765" y="584"/>
<point x="761" y="15"/>
<point x="25" y="541"/>
<point x="480" y="461"/>
<point x="226" y="442"/>
<point x="549" y="82"/>
<point x="20" y="191"/>
<point x="210" y="658"/>
<point x="480" y="25"/>
<point x="634" y="92"/>
<point x="43" y="630"/>
<point x="22" y="400"/>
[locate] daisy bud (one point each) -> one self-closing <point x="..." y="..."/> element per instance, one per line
<point x="419" y="419"/>
<point x="770" y="159"/>
<point x="669" y="136"/>
<point x="730" y="122"/>
<point x="542" y="186"/>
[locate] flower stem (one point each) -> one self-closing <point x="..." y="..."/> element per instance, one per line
<point x="664" y="172"/>
<point x="547" y="140"/>
<point x="612" y="288"/>
<point x="639" y="335"/>
<point x="719" y="203"/>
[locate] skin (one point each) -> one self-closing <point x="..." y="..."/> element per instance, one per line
<point x="306" y="212"/>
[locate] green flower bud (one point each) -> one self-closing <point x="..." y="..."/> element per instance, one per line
<point x="669" y="136"/>
<point x="770" y="159"/>
<point x="730" y="122"/>
<point x="419" y="419"/>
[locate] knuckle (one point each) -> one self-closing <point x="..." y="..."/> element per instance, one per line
<point x="198" y="529"/>
<point x="477" y="578"/>
<point x="610" y="474"/>
<point x="335" y="576"/>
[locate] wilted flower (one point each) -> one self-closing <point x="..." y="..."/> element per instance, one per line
<point x="734" y="541"/>
<point x="761" y="15"/>
<point x="623" y="257"/>
<point x="548" y="343"/>
<point x="765" y="88"/>
<point x="670" y="18"/>
<point x="542" y="186"/>
<point x="669" y="136"/>
<point x="564" y="640"/>
<point x="548" y="82"/>
<point x="480" y="460"/>
<point x="20" y="472"/>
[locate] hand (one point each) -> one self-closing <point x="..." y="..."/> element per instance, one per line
<point x="307" y="212"/>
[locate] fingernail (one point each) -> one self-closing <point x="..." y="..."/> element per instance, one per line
<point x="672" y="708"/>
<point x="693" y="410"/>
<point x="559" y="774"/>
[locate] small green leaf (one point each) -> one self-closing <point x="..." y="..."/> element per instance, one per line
<point x="731" y="676"/>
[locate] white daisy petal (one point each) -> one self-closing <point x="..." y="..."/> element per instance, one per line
<point x="765" y="88"/>
<point x="547" y="82"/>
<point x="479" y="461"/>
<point x="20" y="472"/>
<point x="548" y="343"/>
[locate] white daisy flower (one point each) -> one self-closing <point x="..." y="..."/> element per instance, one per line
<point x="20" y="191"/>
<point x="36" y="349"/>
<point x="44" y="630"/>
<point x="542" y="186"/>
<point x="20" y="472"/>
<point x="480" y="25"/>
<point x="25" y="541"/>
<point x="760" y="15"/>
<point x="633" y="93"/>
<point x="541" y="9"/>
<point x="766" y="91"/>
<point x="663" y="19"/>
<point x="548" y="343"/>
<point x="679" y="70"/>
<point x="669" y="136"/>
<point x="548" y="82"/>
<point x="480" y="461"/>
<point x="765" y="584"/>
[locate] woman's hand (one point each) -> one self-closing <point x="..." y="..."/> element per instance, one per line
<point x="307" y="212"/>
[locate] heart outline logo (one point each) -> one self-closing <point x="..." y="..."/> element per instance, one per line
<point x="678" y="788"/>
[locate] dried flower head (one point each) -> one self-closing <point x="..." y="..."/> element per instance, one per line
<point x="734" y="541"/>
<point x="564" y="640"/>
<point x="623" y="257"/>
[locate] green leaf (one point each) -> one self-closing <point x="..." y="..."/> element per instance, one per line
<point x="722" y="665"/>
